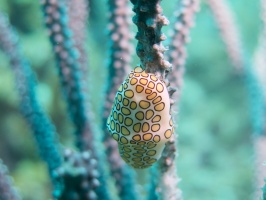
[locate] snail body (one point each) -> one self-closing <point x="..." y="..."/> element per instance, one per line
<point x="140" y="119"/>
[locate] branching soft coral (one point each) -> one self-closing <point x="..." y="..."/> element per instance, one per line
<point x="149" y="20"/>
<point x="7" y="190"/>
<point x="118" y="66"/>
<point x="43" y="129"/>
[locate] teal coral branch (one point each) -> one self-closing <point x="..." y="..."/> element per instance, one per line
<point x="67" y="52"/>
<point x="43" y="129"/>
<point x="81" y="178"/>
<point x="226" y="22"/>
<point x="7" y="190"/>
<point x="256" y="100"/>
<point x="260" y="67"/>
<point x="67" y="57"/>
<point x="118" y="66"/>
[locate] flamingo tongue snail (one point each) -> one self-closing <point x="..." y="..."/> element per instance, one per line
<point x="140" y="119"/>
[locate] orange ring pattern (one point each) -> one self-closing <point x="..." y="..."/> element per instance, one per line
<point x="140" y="119"/>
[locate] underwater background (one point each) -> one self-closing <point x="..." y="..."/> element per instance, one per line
<point x="216" y="152"/>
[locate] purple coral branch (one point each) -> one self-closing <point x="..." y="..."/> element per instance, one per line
<point x="232" y="38"/>
<point x="260" y="166"/>
<point x="7" y="190"/>
<point x="120" y="50"/>
<point x="226" y="22"/>
<point x="228" y="27"/>
<point x="78" y="18"/>
<point x="259" y="59"/>
<point x="183" y="21"/>
<point x="259" y="142"/>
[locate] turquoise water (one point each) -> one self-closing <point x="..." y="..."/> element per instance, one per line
<point x="215" y="147"/>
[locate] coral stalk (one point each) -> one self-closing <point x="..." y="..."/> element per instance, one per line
<point x="169" y="179"/>
<point x="7" y="190"/>
<point x="168" y="186"/>
<point x="43" y="129"/>
<point x="149" y="20"/>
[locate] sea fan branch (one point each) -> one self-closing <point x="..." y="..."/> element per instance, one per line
<point x="118" y="66"/>
<point x="69" y="60"/>
<point x="78" y="18"/>
<point x="226" y="22"/>
<point x="7" y="190"/>
<point x="259" y="142"/>
<point x="232" y="38"/>
<point x="43" y="129"/>
<point x="67" y="57"/>
<point x="149" y="20"/>
<point x="183" y="21"/>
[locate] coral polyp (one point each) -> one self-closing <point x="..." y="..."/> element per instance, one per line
<point x="140" y="119"/>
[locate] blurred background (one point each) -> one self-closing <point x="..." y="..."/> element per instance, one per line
<point x="215" y="145"/>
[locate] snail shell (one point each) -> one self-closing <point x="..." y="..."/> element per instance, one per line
<point x="140" y="119"/>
